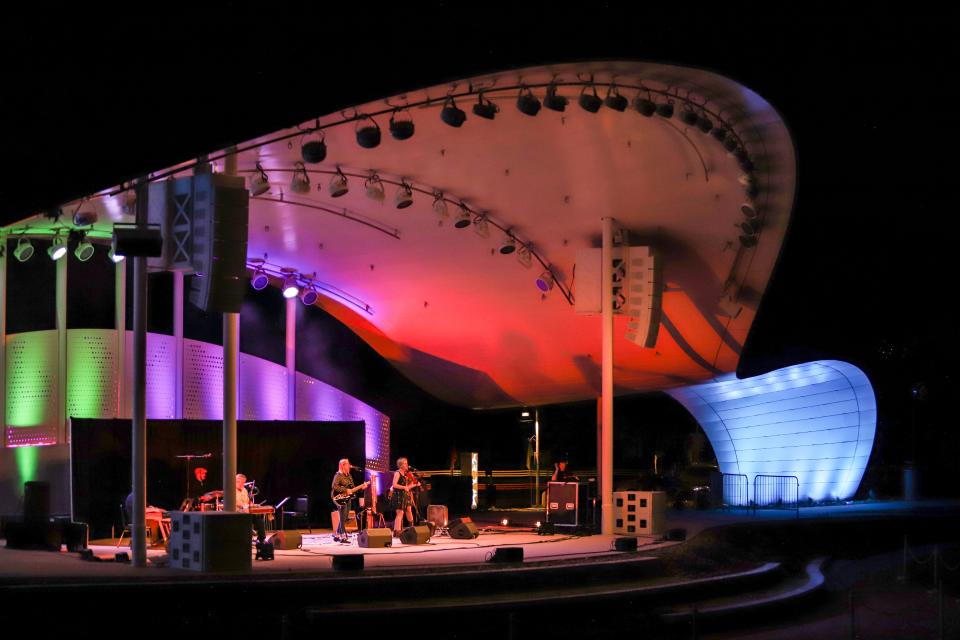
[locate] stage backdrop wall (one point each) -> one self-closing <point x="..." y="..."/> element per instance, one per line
<point x="284" y="458"/>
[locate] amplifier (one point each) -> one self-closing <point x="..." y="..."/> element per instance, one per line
<point x="210" y="540"/>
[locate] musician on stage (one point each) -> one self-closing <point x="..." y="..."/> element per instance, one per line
<point x="343" y="484"/>
<point x="243" y="505"/>
<point x="404" y="481"/>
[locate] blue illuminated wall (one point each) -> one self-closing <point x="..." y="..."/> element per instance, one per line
<point x="815" y="421"/>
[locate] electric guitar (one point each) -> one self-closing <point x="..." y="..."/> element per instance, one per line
<point x="343" y="498"/>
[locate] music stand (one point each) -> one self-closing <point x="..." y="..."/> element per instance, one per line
<point x="279" y="508"/>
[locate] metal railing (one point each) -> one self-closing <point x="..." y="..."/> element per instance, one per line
<point x="735" y="491"/>
<point x="776" y="492"/>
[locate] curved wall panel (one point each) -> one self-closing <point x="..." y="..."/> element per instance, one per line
<point x="32" y="388"/>
<point x="814" y="421"/>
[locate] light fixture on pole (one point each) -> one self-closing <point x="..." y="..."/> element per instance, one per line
<point x="484" y="108"/>
<point x="368" y="135"/>
<point x="314" y="151"/>
<point x="508" y="246"/>
<point x="259" y="182"/>
<point x="401" y="129"/>
<point x="463" y="217"/>
<point x="260" y="279"/>
<point x="338" y="184"/>
<point x="545" y="281"/>
<point x="24" y="249"/>
<point x="300" y="183"/>
<point x="552" y="101"/>
<point x="440" y="205"/>
<point x="84" y="250"/>
<point x="527" y="103"/>
<point x="290" y="287"/>
<point x="404" y="196"/>
<point x="375" y="190"/>
<point x="58" y="248"/>
<point x="451" y="114"/>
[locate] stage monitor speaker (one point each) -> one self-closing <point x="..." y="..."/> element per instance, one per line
<point x="264" y="551"/>
<point x="375" y="538"/>
<point x="286" y="540"/>
<point x="463" y="529"/>
<point x="625" y="544"/>
<point x="676" y="534"/>
<point x="36" y="501"/>
<point x="415" y="535"/>
<point x="210" y="540"/>
<point x="507" y="554"/>
<point x="348" y="562"/>
<point x="75" y="535"/>
<point x="46" y="536"/>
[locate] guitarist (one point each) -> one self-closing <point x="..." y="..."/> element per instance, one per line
<point x="341" y="492"/>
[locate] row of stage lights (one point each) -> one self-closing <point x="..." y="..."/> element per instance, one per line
<point x="58" y="249"/>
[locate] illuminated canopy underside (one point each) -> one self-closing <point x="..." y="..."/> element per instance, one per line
<point x="468" y="324"/>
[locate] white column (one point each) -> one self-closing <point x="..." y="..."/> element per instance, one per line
<point x="178" y="344"/>
<point x="606" y="459"/>
<point x="231" y="357"/>
<point x="291" y="358"/>
<point x="120" y="323"/>
<point x="138" y="409"/>
<point x="3" y="341"/>
<point x="61" y="304"/>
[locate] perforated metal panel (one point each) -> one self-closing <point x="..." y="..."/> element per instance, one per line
<point x="319" y="401"/>
<point x="262" y="389"/>
<point x="91" y="373"/>
<point x="32" y="388"/>
<point x="202" y="381"/>
<point x="161" y="380"/>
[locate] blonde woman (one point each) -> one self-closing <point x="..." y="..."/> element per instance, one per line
<point x="401" y="499"/>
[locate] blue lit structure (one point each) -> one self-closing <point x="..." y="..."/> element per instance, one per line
<point x="815" y="421"/>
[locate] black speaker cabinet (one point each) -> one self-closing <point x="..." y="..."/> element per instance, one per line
<point x="625" y="544"/>
<point x="348" y="562"/>
<point x="463" y="529"/>
<point x="415" y="535"/>
<point x="562" y="501"/>
<point x="46" y="536"/>
<point x="74" y="535"/>
<point x="375" y="538"/>
<point x="36" y="501"/>
<point x="507" y="554"/>
<point x="286" y="540"/>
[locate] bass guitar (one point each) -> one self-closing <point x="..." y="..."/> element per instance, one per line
<point x="343" y="498"/>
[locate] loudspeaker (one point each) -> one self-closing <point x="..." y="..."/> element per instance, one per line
<point x="463" y="529"/>
<point x="34" y="535"/>
<point x="676" y="534"/>
<point x="36" y="501"/>
<point x="625" y="544"/>
<point x="507" y="554"/>
<point x="286" y="540"/>
<point x="375" y="538"/>
<point x="348" y="562"/>
<point x="264" y="551"/>
<point x="210" y="540"/>
<point x="74" y="535"/>
<point x="415" y="535"/>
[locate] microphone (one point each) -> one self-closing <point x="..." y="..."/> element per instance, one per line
<point x="356" y="468"/>
<point x="249" y="484"/>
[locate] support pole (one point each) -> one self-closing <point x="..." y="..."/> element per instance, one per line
<point x="61" y="304"/>
<point x="178" y="344"/>
<point x="231" y="357"/>
<point x="606" y="464"/>
<point x="138" y="540"/>
<point x="291" y="357"/>
<point x="3" y="341"/>
<point x="536" y="452"/>
<point x="120" y="323"/>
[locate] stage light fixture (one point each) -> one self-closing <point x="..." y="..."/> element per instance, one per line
<point x="524" y="257"/>
<point x="290" y="288"/>
<point x="481" y="226"/>
<point x="730" y="144"/>
<point x="720" y="134"/>
<point x="750" y="227"/>
<point x="527" y="103"/>
<point x="404" y="196"/>
<point x="338" y="184"/>
<point x="590" y="101"/>
<point x="24" y="249"/>
<point x="260" y="279"/>
<point x="748" y="241"/>
<point x="665" y="109"/>
<point x="464" y="219"/>
<point x="750" y="186"/>
<point x="440" y="205"/>
<point x="545" y="281"/>
<point x="614" y="100"/>
<point x="688" y="116"/>
<point x="84" y="250"/>
<point x="116" y="257"/>
<point x="314" y="151"/>
<point x="504" y="522"/>
<point x="508" y="246"/>
<point x="704" y="123"/>
<point x="484" y="108"/>
<point x="84" y="218"/>
<point x="644" y="105"/>
<point x="58" y="248"/>
<point x="309" y="295"/>
<point x="300" y="183"/>
<point x="743" y="158"/>
<point x="401" y="129"/>
<point x="375" y="189"/>
<point x="259" y="182"/>
<point x="451" y="114"/>
<point x="554" y="102"/>
<point x="368" y="135"/>
<point x="747" y="210"/>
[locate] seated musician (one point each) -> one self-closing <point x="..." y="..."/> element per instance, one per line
<point x="341" y="492"/>
<point x="560" y="473"/>
<point x="243" y="505"/>
<point x="402" y="500"/>
<point x="153" y="519"/>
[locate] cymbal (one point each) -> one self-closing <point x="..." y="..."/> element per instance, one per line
<point x="213" y="494"/>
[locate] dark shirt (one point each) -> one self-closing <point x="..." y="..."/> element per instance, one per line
<point x="342" y="482"/>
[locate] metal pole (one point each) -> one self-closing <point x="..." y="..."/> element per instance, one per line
<point x="231" y="356"/>
<point x="61" y="304"/>
<point x="120" y="323"/>
<point x="138" y="540"/>
<point x="606" y="466"/>
<point x="3" y="341"/>
<point x="178" y="345"/>
<point x="291" y="358"/>
<point x="536" y="453"/>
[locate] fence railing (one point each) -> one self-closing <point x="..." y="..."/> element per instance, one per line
<point x="735" y="491"/>
<point x="776" y="492"/>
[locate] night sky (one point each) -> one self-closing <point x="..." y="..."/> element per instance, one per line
<point x="865" y="274"/>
